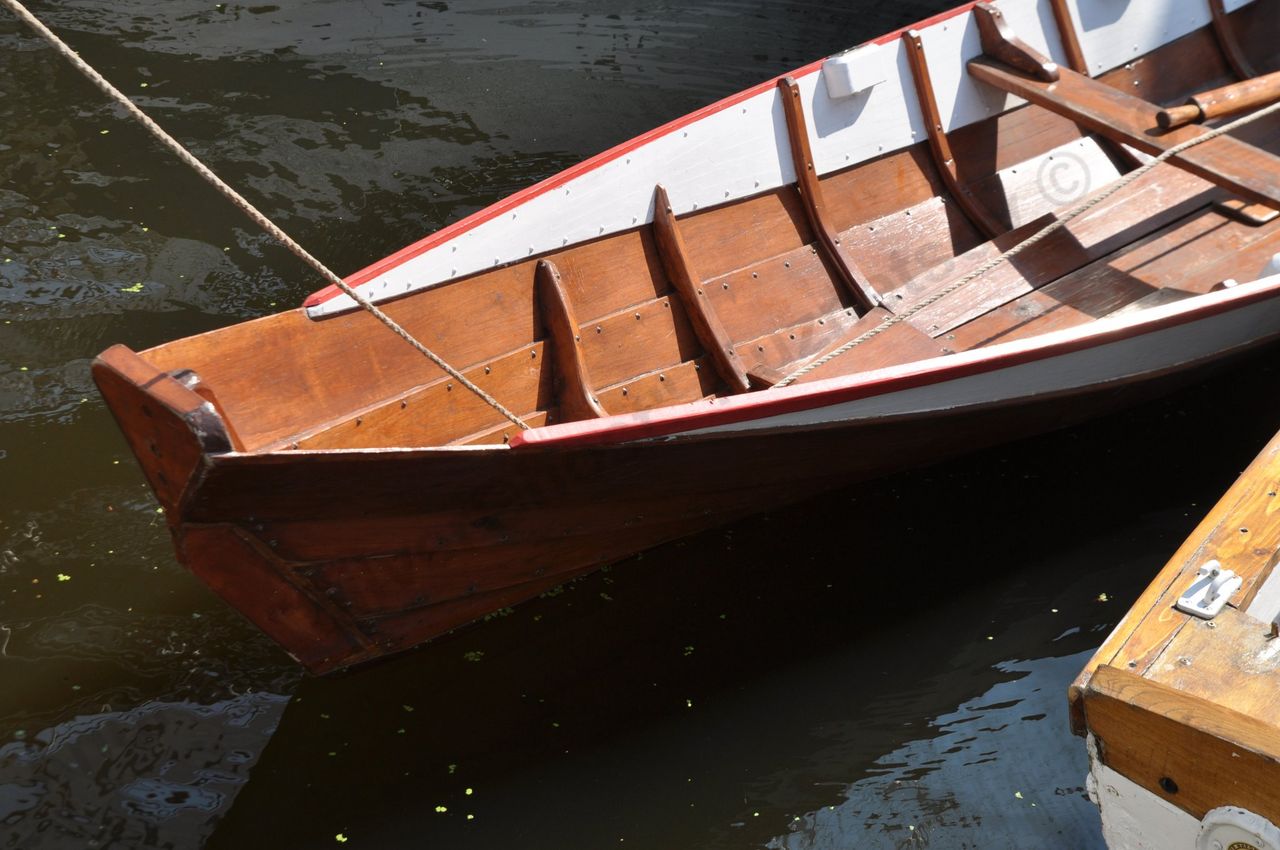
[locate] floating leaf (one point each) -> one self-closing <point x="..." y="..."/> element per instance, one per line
<point x="137" y="287"/>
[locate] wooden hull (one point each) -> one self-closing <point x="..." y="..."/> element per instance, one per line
<point x="343" y="556"/>
<point x="355" y="500"/>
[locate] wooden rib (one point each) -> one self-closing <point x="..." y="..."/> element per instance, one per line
<point x="1070" y="39"/>
<point x="573" y="387"/>
<point x="1235" y="165"/>
<point x="1122" y="156"/>
<point x="811" y="193"/>
<point x="1231" y="51"/>
<point x="1151" y="733"/>
<point x="675" y="259"/>
<point x="938" y="144"/>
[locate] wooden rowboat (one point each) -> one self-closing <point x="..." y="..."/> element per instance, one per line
<point x="640" y="310"/>
<point x="1180" y="705"/>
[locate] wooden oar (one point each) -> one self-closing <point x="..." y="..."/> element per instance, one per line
<point x="1228" y="100"/>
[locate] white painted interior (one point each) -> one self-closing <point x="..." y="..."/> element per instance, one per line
<point x="1113" y="32"/>
<point x="742" y="150"/>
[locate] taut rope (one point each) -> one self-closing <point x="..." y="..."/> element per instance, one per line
<point x="1031" y="240"/>
<point x="247" y="208"/>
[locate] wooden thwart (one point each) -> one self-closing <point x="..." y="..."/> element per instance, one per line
<point x="1235" y="165"/>
<point x="810" y="190"/>
<point x="1070" y="40"/>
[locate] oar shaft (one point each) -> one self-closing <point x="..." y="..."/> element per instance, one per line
<point x="1224" y="101"/>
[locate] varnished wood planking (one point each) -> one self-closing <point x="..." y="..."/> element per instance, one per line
<point x="1231" y="660"/>
<point x="687" y="280"/>
<point x="794" y="345"/>
<point x="724" y="239"/>
<point x="1209" y="755"/>
<point x="324" y="370"/>
<point x="610" y="274"/>
<point x="443" y="410"/>
<point x="943" y="157"/>
<point x="677" y="384"/>
<point x="902" y="245"/>
<point x="404" y="581"/>
<point x="502" y="433"/>
<point x="1152" y="621"/>
<point x="1190" y="256"/>
<point x="309" y="624"/>
<point x="828" y="243"/>
<point x="793" y="287"/>
<point x="1152" y="201"/>
<point x="643" y="337"/>
<point x="1173" y="71"/>
<point x="898" y="343"/>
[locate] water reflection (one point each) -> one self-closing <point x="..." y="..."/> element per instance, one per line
<point x="990" y="775"/>
<point x="158" y="775"/>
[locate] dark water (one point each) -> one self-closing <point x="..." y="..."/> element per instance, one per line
<point x="880" y="668"/>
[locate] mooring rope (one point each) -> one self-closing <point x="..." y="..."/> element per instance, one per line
<point x="1031" y="240"/>
<point x="247" y="208"/>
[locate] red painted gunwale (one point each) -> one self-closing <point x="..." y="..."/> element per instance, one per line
<point x="513" y="201"/>
<point x="696" y="415"/>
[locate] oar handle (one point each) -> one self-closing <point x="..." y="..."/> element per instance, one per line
<point x="1224" y="101"/>
<point x="1177" y="116"/>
